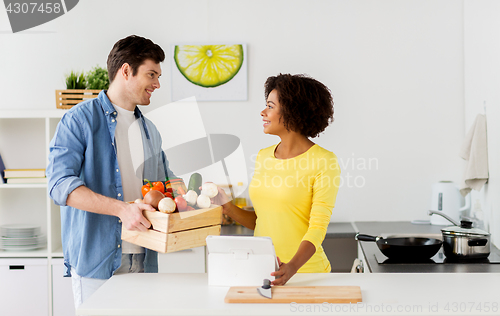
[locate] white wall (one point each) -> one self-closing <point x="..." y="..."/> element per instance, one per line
<point x="482" y="82"/>
<point x="395" y="69"/>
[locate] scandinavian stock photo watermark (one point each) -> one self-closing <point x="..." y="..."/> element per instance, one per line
<point x="338" y="172"/>
<point x="431" y="308"/>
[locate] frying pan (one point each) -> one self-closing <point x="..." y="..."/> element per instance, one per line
<point x="405" y="248"/>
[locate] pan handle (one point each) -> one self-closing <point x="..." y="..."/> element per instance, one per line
<point x="364" y="237"/>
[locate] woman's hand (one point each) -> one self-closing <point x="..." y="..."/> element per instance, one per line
<point x="221" y="199"/>
<point x="284" y="274"/>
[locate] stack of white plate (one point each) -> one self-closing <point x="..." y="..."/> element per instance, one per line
<point x="19" y="237"/>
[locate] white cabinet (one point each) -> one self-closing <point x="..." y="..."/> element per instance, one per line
<point x="62" y="292"/>
<point x="24" y="142"/>
<point x="24" y="288"/>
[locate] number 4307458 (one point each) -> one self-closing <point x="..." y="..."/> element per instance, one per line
<point x="26" y="8"/>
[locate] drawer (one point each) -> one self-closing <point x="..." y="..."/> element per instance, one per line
<point x="24" y="287"/>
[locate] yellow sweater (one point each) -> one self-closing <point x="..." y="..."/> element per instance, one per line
<point x="293" y="200"/>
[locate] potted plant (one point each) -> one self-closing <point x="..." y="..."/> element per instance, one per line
<point x="80" y="87"/>
<point x="97" y="79"/>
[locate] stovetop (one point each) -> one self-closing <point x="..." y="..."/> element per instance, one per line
<point x="439" y="258"/>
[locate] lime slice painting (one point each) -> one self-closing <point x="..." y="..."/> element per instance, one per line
<point x="208" y="65"/>
<point x="209" y="72"/>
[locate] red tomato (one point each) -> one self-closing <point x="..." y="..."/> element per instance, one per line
<point x="181" y="203"/>
<point x="169" y="194"/>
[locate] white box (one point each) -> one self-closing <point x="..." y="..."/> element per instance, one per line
<point x="63" y="303"/>
<point x="24" y="289"/>
<point x="240" y="260"/>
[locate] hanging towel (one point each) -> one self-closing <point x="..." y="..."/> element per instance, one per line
<point x="475" y="152"/>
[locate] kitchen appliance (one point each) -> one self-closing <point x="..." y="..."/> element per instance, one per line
<point x="297" y="294"/>
<point x="465" y="242"/>
<point x="446" y="199"/>
<point x="439" y="258"/>
<point x="405" y="248"/>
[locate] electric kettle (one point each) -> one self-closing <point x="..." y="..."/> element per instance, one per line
<point x="446" y="199"/>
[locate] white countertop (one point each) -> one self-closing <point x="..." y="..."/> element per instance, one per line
<point x="383" y="294"/>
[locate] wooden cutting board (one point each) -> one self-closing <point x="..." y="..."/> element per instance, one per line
<point x="297" y="294"/>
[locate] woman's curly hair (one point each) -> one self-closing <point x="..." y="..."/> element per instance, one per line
<point x="306" y="104"/>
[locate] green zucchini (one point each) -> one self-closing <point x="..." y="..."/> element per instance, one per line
<point x="195" y="182"/>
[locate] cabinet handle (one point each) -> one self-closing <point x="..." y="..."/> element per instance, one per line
<point x="16" y="267"/>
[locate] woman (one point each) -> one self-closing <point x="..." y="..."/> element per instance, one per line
<point x="295" y="182"/>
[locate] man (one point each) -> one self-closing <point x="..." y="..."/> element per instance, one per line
<point x="101" y="151"/>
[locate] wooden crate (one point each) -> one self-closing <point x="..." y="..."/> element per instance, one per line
<point x="66" y="99"/>
<point x="177" y="231"/>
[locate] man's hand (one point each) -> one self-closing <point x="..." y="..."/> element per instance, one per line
<point x="132" y="217"/>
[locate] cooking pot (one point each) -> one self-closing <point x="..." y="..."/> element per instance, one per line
<point x="465" y="242"/>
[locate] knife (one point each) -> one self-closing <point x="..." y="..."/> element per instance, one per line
<point x="265" y="290"/>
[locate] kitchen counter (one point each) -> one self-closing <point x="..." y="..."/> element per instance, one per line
<point x="371" y="250"/>
<point x="383" y="294"/>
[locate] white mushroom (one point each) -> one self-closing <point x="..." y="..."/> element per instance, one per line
<point x="203" y="201"/>
<point x="191" y="197"/>
<point x="209" y="189"/>
<point x="167" y="205"/>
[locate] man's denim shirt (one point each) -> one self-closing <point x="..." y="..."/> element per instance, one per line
<point x="83" y="152"/>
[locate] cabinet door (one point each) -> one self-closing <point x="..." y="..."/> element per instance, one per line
<point x="24" y="287"/>
<point x="341" y="252"/>
<point x="184" y="261"/>
<point x="62" y="292"/>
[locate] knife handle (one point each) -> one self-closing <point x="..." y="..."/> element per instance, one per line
<point x="267" y="284"/>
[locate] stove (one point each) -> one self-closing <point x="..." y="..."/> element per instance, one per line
<point x="439" y="258"/>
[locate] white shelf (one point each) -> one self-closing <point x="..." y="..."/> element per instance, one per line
<point x="56" y="113"/>
<point x="23" y="186"/>
<point x="57" y="253"/>
<point x="38" y="253"/>
<point x="34" y="129"/>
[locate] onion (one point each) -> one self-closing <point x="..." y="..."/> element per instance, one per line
<point x="191" y="197"/>
<point x="153" y="197"/>
<point x="203" y="201"/>
<point x="167" y="205"/>
<point x="209" y="189"/>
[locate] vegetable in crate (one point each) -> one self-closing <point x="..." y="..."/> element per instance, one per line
<point x="191" y="197"/>
<point x="181" y="203"/>
<point x="203" y="201"/>
<point x="167" y="205"/>
<point x="176" y="186"/>
<point x="158" y="186"/>
<point x="153" y="197"/>
<point x="195" y="182"/>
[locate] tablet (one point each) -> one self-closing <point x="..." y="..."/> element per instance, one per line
<point x="240" y="260"/>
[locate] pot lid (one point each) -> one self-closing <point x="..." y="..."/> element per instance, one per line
<point x="465" y="229"/>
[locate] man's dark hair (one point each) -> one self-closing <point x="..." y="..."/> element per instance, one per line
<point x="306" y="104"/>
<point x="133" y="50"/>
